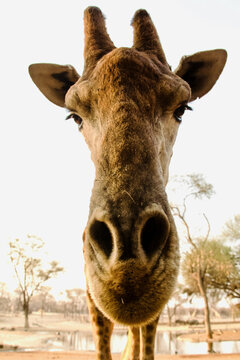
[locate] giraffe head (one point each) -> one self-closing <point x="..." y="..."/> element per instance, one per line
<point x="129" y="104"/>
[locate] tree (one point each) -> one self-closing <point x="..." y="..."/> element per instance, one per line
<point x="77" y="300"/>
<point x="5" y="300"/>
<point x="232" y="229"/>
<point x="195" y="187"/>
<point x="215" y="262"/>
<point x="43" y="300"/>
<point x="178" y="298"/>
<point x="29" y="269"/>
<point x="231" y="235"/>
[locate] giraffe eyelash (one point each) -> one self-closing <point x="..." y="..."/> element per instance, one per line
<point x="178" y="113"/>
<point x="78" y="120"/>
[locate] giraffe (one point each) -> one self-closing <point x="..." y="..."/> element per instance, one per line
<point x="128" y="105"/>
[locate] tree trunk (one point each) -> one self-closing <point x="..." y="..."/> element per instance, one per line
<point x="206" y="312"/>
<point x="26" y="313"/>
<point x="169" y="316"/>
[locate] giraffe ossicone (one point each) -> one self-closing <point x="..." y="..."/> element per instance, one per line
<point x="129" y="105"/>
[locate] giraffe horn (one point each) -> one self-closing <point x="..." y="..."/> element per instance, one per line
<point x="145" y="35"/>
<point x="97" y="41"/>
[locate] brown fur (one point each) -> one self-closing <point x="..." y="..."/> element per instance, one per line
<point x="127" y="98"/>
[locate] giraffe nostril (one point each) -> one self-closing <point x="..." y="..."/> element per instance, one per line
<point x="154" y="234"/>
<point x="101" y="236"/>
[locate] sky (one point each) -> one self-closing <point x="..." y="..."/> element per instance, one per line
<point x="46" y="171"/>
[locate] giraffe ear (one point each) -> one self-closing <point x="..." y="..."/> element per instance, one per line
<point x="53" y="80"/>
<point x="202" y="70"/>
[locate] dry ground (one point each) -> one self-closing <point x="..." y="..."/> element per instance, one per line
<point x="12" y="334"/>
<point x="90" y="356"/>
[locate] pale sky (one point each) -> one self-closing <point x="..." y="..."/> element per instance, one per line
<point x="46" y="172"/>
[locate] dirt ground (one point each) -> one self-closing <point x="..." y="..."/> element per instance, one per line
<point x="13" y="336"/>
<point x="90" y="356"/>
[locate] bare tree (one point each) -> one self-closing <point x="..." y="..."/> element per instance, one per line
<point x="43" y="300"/>
<point x="196" y="188"/>
<point x="178" y="298"/>
<point x="77" y="300"/>
<point x="29" y="269"/>
<point x="5" y="300"/>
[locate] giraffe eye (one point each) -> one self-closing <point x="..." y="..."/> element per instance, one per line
<point x="178" y="113"/>
<point x="78" y="120"/>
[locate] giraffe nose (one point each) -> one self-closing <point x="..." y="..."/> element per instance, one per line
<point x="154" y="233"/>
<point x="148" y="235"/>
<point x="101" y="237"/>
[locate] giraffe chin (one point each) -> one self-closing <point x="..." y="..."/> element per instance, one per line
<point x="131" y="295"/>
<point x="134" y="314"/>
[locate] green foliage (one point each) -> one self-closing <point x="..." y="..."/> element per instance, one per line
<point x="216" y="263"/>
